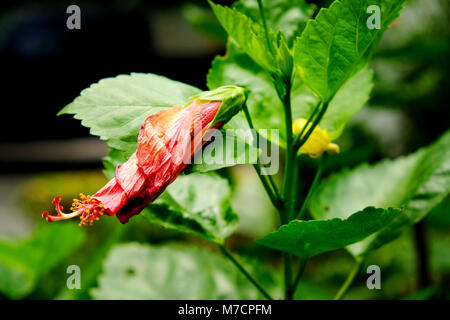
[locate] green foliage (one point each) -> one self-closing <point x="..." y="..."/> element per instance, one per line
<point x="111" y="161"/>
<point x="196" y="204"/>
<point x="253" y="41"/>
<point x="114" y="108"/>
<point x="439" y="217"/>
<point x="337" y="43"/>
<point x="240" y="67"/>
<point x="417" y="182"/>
<point x="22" y="264"/>
<point x="227" y="150"/>
<point x="134" y="271"/>
<point x="263" y="102"/>
<point x="90" y="258"/>
<point x="265" y="106"/>
<point x="288" y="16"/>
<point x="308" y="238"/>
<point x="347" y="102"/>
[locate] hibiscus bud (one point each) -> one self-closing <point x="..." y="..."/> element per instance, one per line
<point x="166" y="143"/>
<point x="318" y="142"/>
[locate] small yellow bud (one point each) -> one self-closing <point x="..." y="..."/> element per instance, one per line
<point x="317" y="143"/>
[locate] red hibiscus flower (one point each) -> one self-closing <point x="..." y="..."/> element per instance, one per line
<point x="167" y="141"/>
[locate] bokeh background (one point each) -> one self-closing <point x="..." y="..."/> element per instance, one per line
<point x="44" y="66"/>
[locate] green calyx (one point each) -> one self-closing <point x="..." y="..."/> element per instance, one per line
<point x="232" y="97"/>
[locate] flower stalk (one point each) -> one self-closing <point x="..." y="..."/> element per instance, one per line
<point x="229" y="255"/>
<point x="348" y="282"/>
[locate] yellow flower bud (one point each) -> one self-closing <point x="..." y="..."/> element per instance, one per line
<point x="317" y="143"/>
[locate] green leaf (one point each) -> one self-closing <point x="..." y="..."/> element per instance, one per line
<point x="337" y="43"/>
<point x="134" y="271"/>
<point x="227" y="150"/>
<point x="264" y="105"/>
<point x="351" y="97"/>
<point x="114" y="108"/>
<point x="288" y="16"/>
<point x="439" y="218"/>
<point x="23" y="263"/>
<point x="417" y="182"/>
<point x="197" y="204"/>
<point x="111" y="161"/>
<point x="249" y="35"/>
<point x="308" y="238"/>
<point x="90" y="261"/>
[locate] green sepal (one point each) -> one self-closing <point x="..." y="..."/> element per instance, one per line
<point x="232" y="97"/>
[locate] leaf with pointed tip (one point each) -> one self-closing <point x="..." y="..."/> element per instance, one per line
<point x="417" y="182"/>
<point x="114" y="108"/>
<point x="249" y="35"/>
<point x="337" y="43"/>
<point x="308" y="238"/>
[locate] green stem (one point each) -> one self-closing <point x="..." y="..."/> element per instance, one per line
<point x="264" y="23"/>
<point x="302" y="138"/>
<point x="228" y="254"/>
<point x="351" y="277"/>
<point x="313" y="187"/>
<point x="266" y="180"/>
<point x="310" y="119"/>
<point x="294" y="189"/>
<point x="290" y="152"/>
<point x="288" y="185"/>
<point x="273" y="197"/>
<point x="301" y="270"/>
<point x="287" y="263"/>
<point x="285" y="211"/>
<point x="274" y="187"/>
